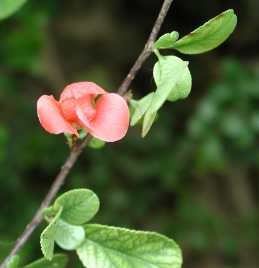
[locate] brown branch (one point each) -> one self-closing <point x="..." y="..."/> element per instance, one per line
<point x="37" y="219"/>
<point x="76" y="151"/>
<point x="147" y="49"/>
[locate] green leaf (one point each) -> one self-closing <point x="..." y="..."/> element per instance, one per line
<point x="58" y="261"/>
<point x="47" y="237"/>
<point x="210" y="35"/>
<point x="82" y="133"/>
<point x="182" y="87"/>
<point x="96" y="143"/>
<point x="166" y="40"/>
<point x="167" y="71"/>
<point x="112" y="247"/>
<point x="47" y="211"/>
<point x="139" y="108"/>
<point x="8" y="7"/>
<point x="68" y="236"/>
<point x="13" y="262"/>
<point x="79" y="206"/>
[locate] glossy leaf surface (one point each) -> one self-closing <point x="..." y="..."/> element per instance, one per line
<point x="210" y="35"/>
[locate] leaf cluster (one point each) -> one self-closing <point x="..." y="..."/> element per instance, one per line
<point x="98" y="245"/>
<point x="171" y="74"/>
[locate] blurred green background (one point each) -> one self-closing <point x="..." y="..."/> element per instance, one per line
<point x="194" y="178"/>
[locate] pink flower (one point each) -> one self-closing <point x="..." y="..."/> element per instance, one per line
<point x="105" y="117"/>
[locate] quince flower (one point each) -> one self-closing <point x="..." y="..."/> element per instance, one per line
<point x="105" y="117"/>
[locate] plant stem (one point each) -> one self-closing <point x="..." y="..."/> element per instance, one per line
<point x="76" y="151"/>
<point x="147" y="49"/>
<point x="37" y="219"/>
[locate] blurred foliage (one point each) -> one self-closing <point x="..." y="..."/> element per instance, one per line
<point x="193" y="178"/>
<point x="8" y="7"/>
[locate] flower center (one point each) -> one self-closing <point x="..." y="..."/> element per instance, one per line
<point x="84" y="105"/>
<point x="68" y="109"/>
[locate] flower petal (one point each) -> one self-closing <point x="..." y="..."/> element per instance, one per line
<point x="84" y="111"/>
<point x="86" y="105"/>
<point x="112" y="118"/>
<point x="51" y="118"/>
<point x="81" y="89"/>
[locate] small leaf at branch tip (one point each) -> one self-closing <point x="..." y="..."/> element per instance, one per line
<point x="47" y="211"/>
<point x="166" y="40"/>
<point x="167" y="73"/>
<point x="208" y="36"/>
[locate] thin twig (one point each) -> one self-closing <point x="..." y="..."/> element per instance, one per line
<point x="76" y="151"/>
<point x="147" y="49"/>
<point x="37" y="219"/>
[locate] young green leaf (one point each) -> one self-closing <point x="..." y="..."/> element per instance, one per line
<point x="112" y="247"/>
<point x="82" y="133"/>
<point x="47" y="211"/>
<point x="96" y="143"/>
<point x="58" y="261"/>
<point x="47" y="237"/>
<point x="139" y="108"/>
<point x="182" y="87"/>
<point x="8" y="7"/>
<point x="68" y="236"/>
<point x="79" y="206"/>
<point x="210" y="35"/>
<point x="166" y="40"/>
<point x="167" y="72"/>
<point x="13" y="262"/>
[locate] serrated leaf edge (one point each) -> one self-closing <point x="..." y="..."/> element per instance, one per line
<point x="54" y="221"/>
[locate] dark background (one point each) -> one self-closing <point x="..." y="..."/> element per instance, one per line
<point x="193" y="178"/>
